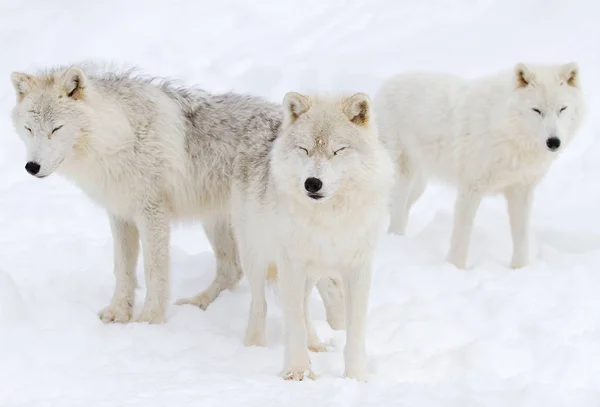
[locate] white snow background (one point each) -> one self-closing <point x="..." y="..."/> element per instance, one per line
<point x="437" y="336"/>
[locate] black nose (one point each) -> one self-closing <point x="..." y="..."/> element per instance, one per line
<point x="313" y="184"/>
<point x="553" y="143"/>
<point x="32" y="167"/>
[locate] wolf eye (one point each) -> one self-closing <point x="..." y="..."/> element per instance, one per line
<point x="56" y="129"/>
<point x="304" y="149"/>
<point x="338" y="150"/>
<point x="562" y="109"/>
<point x="28" y="129"/>
<point x="538" y="111"/>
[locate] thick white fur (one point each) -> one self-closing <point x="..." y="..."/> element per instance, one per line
<point x="482" y="136"/>
<point x="149" y="153"/>
<point x="276" y="222"/>
<point x="143" y="183"/>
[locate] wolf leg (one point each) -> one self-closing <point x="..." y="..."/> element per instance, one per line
<point x="229" y="272"/>
<point x="154" y="229"/>
<point x="519" y="200"/>
<point x="293" y="292"/>
<point x="417" y="187"/>
<point x="465" y="209"/>
<point x="126" y="250"/>
<point x="332" y="293"/>
<point x="255" y="271"/>
<point x="408" y="187"/>
<point x="357" y="284"/>
<point x="314" y="343"/>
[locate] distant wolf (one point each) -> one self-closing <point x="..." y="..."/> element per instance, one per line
<point x="312" y="202"/>
<point x="492" y="135"/>
<point x="149" y="152"/>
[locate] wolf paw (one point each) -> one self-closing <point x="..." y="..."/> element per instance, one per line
<point x="119" y="312"/>
<point x="337" y="323"/>
<point x="318" y="347"/>
<point x="461" y="263"/>
<point x="255" y="337"/>
<point x="152" y="315"/>
<point x="201" y="301"/>
<point x="298" y="374"/>
<point x="360" y="374"/>
<point x="518" y="263"/>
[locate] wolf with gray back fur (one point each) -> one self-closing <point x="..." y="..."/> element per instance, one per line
<point x="149" y="153"/>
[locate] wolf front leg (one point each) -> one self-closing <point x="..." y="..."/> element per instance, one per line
<point x="314" y="343"/>
<point x="357" y="284"/>
<point x="255" y="270"/>
<point x="126" y="250"/>
<point x="154" y="228"/>
<point x="293" y="282"/>
<point x="519" y="199"/>
<point x="229" y="272"/>
<point x="465" y="209"/>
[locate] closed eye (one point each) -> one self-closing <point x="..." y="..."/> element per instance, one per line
<point x="28" y="129"/>
<point x="562" y="109"/>
<point x="303" y="149"/>
<point x="538" y="111"/>
<point x="338" y="150"/>
<point x="56" y="129"/>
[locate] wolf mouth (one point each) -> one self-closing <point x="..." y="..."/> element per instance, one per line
<point x="315" y="196"/>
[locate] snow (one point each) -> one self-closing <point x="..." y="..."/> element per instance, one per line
<point x="437" y="336"/>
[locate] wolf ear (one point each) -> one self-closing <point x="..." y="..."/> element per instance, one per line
<point x="358" y="109"/>
<point x="22" y="84"/>
<point x="74" y="82"/>
<point x="295" y="104"/>
<point x="570" y="74"/>
<point x="523" y="75"/>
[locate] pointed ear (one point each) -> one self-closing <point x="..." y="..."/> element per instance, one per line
<point x="358" y="109"/>
<point x="295" y="104"/>
<point x="22" y="84"/>
<point x="570" y="74"/>
<point x="523" y="76"/>
<point x="74" y="82"/>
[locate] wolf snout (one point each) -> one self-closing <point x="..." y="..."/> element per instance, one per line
<point x="32" y="167"/>
<point x="553" y="143"/>
<point x="313" y="185"/>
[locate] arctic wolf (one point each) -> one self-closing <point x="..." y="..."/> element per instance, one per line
<point x="313" y="201"/>
<point x="491" y="135"/>
<point x="149" y="153"/>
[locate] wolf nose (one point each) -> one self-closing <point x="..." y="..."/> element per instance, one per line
<point x="32" y="167"/>
<point x="553" y="143"/>
<point x="313" y="184"/>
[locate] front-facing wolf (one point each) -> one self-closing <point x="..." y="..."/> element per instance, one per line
<point x="149" y="153"/>
<point x="314" y="202"/>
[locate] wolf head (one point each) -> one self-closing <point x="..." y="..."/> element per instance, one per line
<point x="324" y="146"/>
<point x="50" y="117"/>
<point x="547" y="103"/>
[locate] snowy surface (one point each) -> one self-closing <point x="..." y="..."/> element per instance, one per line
<point x="437" y="336"/>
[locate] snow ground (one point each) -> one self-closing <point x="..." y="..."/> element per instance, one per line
<point x="437" y="336"/>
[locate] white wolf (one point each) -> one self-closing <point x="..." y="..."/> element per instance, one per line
<point x="149" y="153"/>
<point x="313" y="201"/>
<point x="497" y="134"/>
